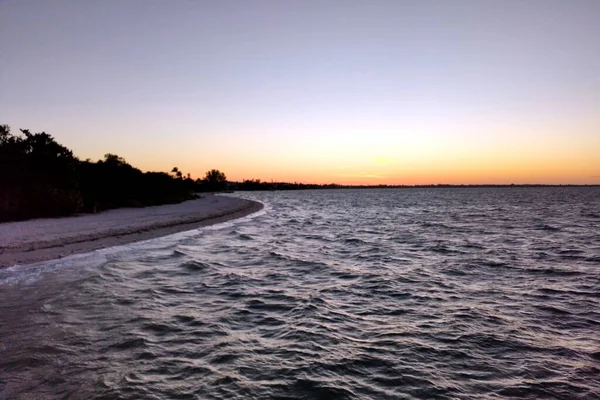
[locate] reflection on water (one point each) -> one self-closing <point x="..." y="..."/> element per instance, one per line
<point x="346" y="294"/>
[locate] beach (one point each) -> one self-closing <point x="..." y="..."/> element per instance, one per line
<point x="36" y="240"/>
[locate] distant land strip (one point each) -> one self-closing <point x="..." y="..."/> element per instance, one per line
<point x="258" y="185"/>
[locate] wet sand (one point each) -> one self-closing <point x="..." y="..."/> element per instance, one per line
<point x="36" y="240"/>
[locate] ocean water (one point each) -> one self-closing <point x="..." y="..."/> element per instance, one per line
<point x="487" y="293"/>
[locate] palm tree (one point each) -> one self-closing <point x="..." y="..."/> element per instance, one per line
<point x="175" y="171"/>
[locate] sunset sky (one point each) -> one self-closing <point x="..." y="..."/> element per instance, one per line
<point x="362" y="92"/>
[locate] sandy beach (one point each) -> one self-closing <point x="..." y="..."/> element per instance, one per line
<point x="50" y="238"/>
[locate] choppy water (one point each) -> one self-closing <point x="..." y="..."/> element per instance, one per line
<point x="346" y="294"/>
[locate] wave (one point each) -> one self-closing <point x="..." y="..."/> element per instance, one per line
<point x="406" y="294"/>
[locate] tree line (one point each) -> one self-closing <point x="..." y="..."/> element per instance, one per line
<point x="257" y="185"/>
<point x="42" y="178"/>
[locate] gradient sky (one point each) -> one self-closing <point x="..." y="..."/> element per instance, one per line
<point x="366" y="92"/>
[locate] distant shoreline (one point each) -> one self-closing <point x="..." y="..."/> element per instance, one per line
<point x="285" y="186"/>
<point x="525" y="185"/>
<point x="30" y="241"/>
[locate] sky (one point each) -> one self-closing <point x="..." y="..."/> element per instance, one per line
<point x="329" y="91"/>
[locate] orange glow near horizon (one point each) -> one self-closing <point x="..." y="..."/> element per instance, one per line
<point x="373" y="159"/>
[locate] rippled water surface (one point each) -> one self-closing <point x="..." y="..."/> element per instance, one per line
<point x="341" y="294"/>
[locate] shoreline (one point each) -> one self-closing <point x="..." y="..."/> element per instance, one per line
<point x="26" y="242"/>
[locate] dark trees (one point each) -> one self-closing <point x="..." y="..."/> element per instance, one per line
<point x="215" y="180"/>
<point x="41" y="178"/>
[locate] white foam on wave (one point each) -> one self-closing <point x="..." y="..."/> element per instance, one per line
<point x="27" y="274"/>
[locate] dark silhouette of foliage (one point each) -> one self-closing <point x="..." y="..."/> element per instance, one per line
<point x="256" y="184"/>
<point x="177" y="173"/>
<point x="215" y="180"/>
<point x="39" y="176"/>
<point x="42" y="178"/>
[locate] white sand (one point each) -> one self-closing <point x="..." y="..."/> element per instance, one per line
<point x="43" y="239"/>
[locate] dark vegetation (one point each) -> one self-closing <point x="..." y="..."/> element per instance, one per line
<point x="42" y="178"/>
<point x="257" y="185"/>
<point x="215" y="180"/>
